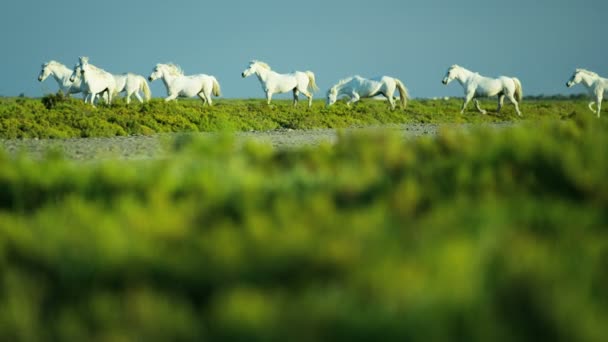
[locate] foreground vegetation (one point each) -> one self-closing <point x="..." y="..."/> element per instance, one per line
<point x="57" y="117"/>
<point x="486" y="236"/>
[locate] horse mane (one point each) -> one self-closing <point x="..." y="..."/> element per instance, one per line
<point x="261" y="64"/>
<point x="96" y="68"/>
<point x="173" y="69"/>
<point x="455" y="66"/>
<point x="51" y="62"/>
<point x="341" y="83"/>
<point x="588" y="72"/>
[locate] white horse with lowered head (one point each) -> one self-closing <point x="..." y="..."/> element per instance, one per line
<point x="275" y="83"/>
<point x="132" y="84"/>
<point x="595" y="84"/>
<point x="476" y="86"/>
<point x="61" y="74"/>
<point x="180" y="85"/>
<point x="357" y="87"/>
<point x="96" y="80"/>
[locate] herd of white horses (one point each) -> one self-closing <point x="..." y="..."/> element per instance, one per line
<point x="94" y="82"/>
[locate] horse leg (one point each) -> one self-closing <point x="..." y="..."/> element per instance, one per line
<point x="467" y="99"/>
<point x="599" y="104"/>
<point x="591" y="106"/>
<point x="514" y="102"/>
<point x="308" y="95"/>
<point x="353" y="98"/>
<point x="501" y="102"/>
<point x="482" y="111"/>
<point x="171" y="97"/>
<point x="391" y="101"/>
<point x="295" y="97"/>
<point x="202" y="96"/>
<point x="138" y="97"/>
<point x="268" y="97"/>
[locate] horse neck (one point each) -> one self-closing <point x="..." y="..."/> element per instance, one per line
<point x="340" y="88"/>
<point x="61" y="73"/>
<point x="588" y="80"/>
<point x="263" y="74"/>
<point x="168" y="78"/>
<point x="465" y="76"/>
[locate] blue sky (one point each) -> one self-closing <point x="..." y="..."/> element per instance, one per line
<point x="540" y="42"/>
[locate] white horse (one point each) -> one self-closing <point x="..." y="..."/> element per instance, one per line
<point x="595" y="84"/>
<point x="357" y="87"/>
<point x="273" y="82"/>
<point x="476" y="86"/>
<point x="179" y="85"/>
<point x="61" y="74"/>
<point x="132" y="84"/>
<point x="96" y="80"/>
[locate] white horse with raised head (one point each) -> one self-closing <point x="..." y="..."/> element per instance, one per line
<point x="357" y="87"/>
<point x="96" y="80"/>
<point x="132" y="84"/>
<point x="476" y="86"/>
<point x="180" y="85"/>
<point x="61" y="74"/>
<point x="275" y="83"/>
<point x="595" y="84"/>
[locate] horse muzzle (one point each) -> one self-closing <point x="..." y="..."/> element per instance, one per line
<point x="243" y="75"/>
<point x="569" y="84"/>
<point x="444" y="81"/>
<point x="40" y="78"/>
<point x="150" y="79"/>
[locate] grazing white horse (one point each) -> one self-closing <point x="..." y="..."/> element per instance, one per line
<point x="595" y="84"/>
<point x="179" y="85"/>
<point x="96" y="80"/>
<point x="357" y="87"/>
<point x="273" y="82"/>
<point x="476" y="86"/>
<point x="61" y="74"/>
<point x="132" y="84"/>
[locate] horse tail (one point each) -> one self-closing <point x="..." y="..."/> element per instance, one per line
<point x="403" y="93"/>
<point x="217" y="91"/>
<point x="519" y="92"/>
<point x="143" y="86"/>
<point x="311" y="79"/>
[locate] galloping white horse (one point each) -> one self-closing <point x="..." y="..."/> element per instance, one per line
<point x="357" y="87"/>
<point x="273" y="82"/>
<point x="476" y="86"/>
<point x="132" y="84"/>
<point x="595" y="84"/>
<point x="96" y="80"/>
<point x="179" y="85"/>
<point x="61" y="74"/>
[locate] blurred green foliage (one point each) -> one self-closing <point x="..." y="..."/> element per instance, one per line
<point x="489" y="235"/>
<point x="55" y="116"/>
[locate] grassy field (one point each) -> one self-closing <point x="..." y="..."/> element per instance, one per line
<point x="56" y="117"/>
<point x="488" y="235"/>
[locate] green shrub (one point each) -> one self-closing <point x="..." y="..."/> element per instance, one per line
<point x="486" y="235"/>
<point x="55" y="116"/>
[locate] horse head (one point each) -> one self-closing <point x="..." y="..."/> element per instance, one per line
<point x="77" y="72"/>
<point x="451" y="74"/>
<point x="44" y="72"/>
<point x="577" y="77"/>
<point x="332" y="96"/>
<point x="254" y="67"/>
<point x="156" y="73"/>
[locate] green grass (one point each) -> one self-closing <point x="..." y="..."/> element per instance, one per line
<point x="56" y="117"/>
<point x="491" y="235"/>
